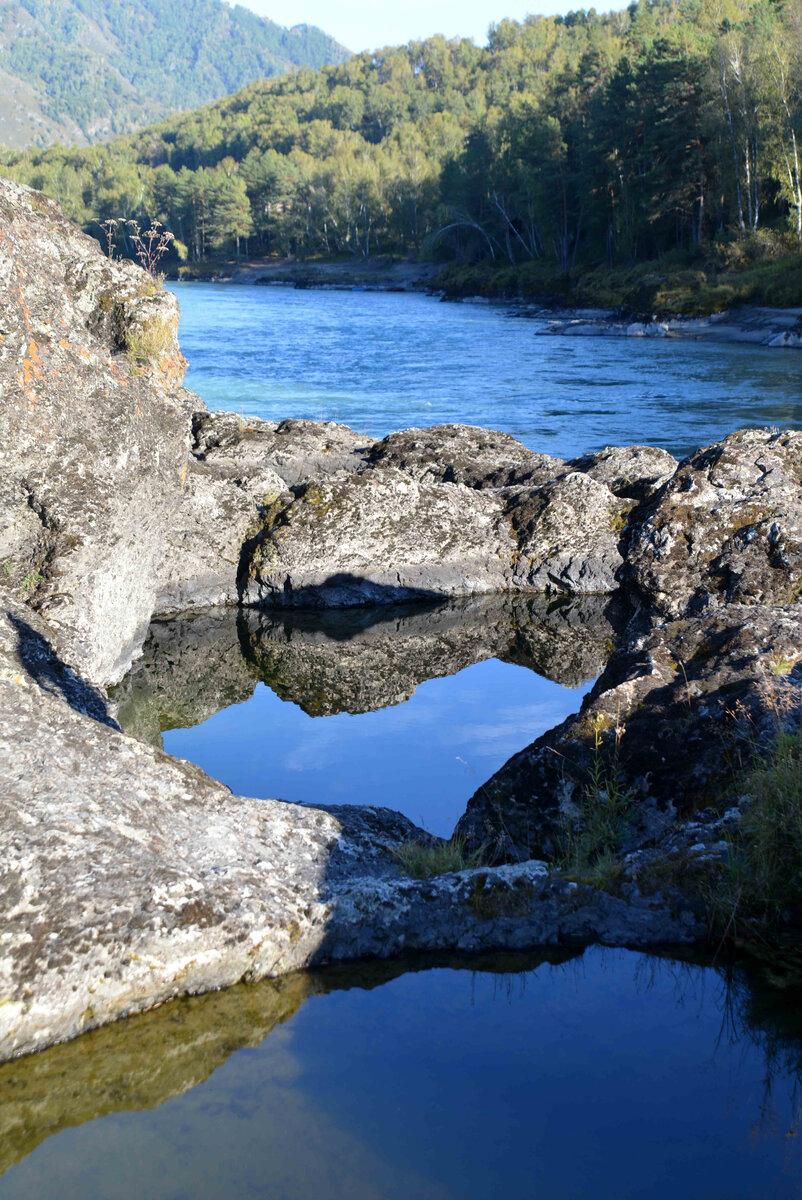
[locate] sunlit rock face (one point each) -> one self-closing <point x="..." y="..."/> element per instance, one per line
<point x="726" y="529"/>
<point x="467" y="454"/>
<point x="631" y="472"/>
<point x="93" y="431"/>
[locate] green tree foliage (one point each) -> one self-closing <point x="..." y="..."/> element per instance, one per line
<point x="573" y="142"/>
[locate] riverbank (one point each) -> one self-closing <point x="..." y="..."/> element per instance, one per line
<point x="382" y="274"/>
<point x="598" y="304"/>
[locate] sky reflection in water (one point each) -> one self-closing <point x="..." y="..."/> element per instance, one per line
<point x="613" y="1077"/>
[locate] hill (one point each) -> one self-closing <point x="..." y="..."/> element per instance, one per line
<point x="648" y="153"/>
<point x="81" y="71"/>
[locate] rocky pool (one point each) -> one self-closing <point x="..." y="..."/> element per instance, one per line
<point x="608" y="1074"/>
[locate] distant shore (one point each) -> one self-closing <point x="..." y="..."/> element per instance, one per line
<point x="759" y="325"/>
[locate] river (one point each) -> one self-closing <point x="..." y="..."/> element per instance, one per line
<point x="603" y="1075"/>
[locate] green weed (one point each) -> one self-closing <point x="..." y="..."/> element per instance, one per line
<point x="423" y="862"/>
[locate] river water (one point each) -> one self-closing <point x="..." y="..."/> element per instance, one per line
<point x="605" y="1075"/>
<point x="380" y="362"/>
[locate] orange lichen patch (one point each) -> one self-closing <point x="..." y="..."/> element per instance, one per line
<point x="183" y="475"/>
<point x="21" y="299"/>
<point x="31" y="371"/>
<point x="172" y="367"/>
<point x="139" y="412"/>
<point x="64" y="344"/>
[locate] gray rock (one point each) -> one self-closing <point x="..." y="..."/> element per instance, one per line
<point x="379" y="537"/>
<point x="296" y="451"/>
<point x="632" y="472"/>
<point x="569" y="535"/>
<point x="468" y="454"/>
<point x="671" y="718"/>
<point x="210" y="535"/>
<point x="93" y="432"/>
<point x="129" y="877"/>
<point x="726" y="530"/>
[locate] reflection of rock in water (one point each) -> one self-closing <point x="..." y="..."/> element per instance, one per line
<point x="327" y="666"/>
<point x="567" y="641"/>
<point x="141" y="1062"/>
<point x="138" y="1063"/>
<point x="352" y="661"/>
<point x="191" y="668"/>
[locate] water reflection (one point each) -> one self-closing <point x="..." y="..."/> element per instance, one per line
<point x="353" y="661"/>
<point x="646" y="1074"/>
<point x="411" y="708"/>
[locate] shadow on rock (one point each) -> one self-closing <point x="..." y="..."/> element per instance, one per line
<point x="37" y="658"/>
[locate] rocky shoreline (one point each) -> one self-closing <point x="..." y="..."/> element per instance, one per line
<point x="774" y="328"/>
<point x="130" y="877"/>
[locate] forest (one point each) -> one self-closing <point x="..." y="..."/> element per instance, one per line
<point x="667" y="131"/>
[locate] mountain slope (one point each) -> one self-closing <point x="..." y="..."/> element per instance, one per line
<point x="80" y="71"/>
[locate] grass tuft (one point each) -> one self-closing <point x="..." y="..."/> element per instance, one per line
<point x="423" y="862"/>
<point x="766" y="859"/>
<point x="150" y="341"/>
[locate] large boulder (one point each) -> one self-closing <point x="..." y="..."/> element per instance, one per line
<point x="379" y="537"/>
<point x="726" y="529"/>
<point x="673" y="717"/>
<point x="469" y="454"/>
<point x="383" y="536"/>
<point x="93" y="432"/>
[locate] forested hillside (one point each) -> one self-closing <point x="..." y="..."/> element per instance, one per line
<point x="82" y="70"/>
<point x="567" y="144"/>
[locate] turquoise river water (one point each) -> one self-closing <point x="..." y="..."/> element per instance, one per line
<point x="608" y="1075"/>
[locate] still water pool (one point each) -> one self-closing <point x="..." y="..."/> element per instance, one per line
<point x="412" y="708"/>
<point x="611" y="1076"/>
<point x="380" y="362"/>
<point x="605" y="1076"/>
